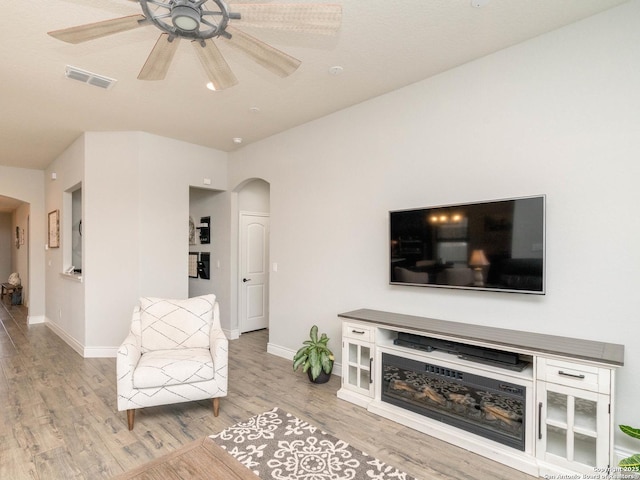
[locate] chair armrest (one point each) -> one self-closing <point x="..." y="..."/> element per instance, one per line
<point x="127" y="359"/>
<point x="219" y="346"/>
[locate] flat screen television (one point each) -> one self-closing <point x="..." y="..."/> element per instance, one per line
<point x="496" y="245"/>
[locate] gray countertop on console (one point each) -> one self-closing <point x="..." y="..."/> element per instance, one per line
<point x="601" y="352"/>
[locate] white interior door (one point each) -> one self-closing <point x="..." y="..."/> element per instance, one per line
<point x="254" y="272"/>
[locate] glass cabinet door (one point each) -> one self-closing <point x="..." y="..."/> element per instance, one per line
<point x="359" y="360"/>
<point x="573" y="427"/>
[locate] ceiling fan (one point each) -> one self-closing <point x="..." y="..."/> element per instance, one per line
<point x="202" y="21"/>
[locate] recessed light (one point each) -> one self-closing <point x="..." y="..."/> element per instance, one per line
<point x="210" y="86"/>
<point x="237" y="140"/>
<point x="254" y="109"/>
<point x="337" y="70"/>
<point x="479" y="3"/>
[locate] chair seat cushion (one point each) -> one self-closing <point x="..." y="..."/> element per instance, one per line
<point x="173" y="367"/>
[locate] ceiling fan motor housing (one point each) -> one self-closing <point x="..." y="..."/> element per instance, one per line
<point x="189" y="18"/>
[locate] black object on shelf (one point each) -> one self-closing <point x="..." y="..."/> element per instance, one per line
<point x="490" y="356"/>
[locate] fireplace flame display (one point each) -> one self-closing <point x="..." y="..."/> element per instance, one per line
<point x="485" y="406"/>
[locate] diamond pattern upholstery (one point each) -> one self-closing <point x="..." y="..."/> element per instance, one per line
<point x="175" y="352"/>
<point x="172" y="324"/>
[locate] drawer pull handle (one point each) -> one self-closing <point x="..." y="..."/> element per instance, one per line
<point x="572" y="375"/>
<point x="359" y="332"/>
<point x="370" y="370"/>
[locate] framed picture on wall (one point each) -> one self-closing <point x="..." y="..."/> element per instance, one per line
<point x="54" y="229"/>
<point x="193" y="264"/>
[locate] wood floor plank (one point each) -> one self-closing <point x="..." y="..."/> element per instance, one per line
<point x="16" y="463"/>
<point x="59" y="417"/>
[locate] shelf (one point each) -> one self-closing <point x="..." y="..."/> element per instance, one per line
<point x="444" y="357"/>
<point x="606" y="354"/>
<point x="72" y="276"/>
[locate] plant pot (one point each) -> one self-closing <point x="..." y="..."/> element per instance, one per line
<point x="322" y="378"/>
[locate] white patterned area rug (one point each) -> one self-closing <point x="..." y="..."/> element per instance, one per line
<point x="277" y="445"/>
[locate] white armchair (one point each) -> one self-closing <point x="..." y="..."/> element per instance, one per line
<point x="175" y="352"/>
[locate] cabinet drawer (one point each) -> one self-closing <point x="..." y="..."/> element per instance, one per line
<point x="585" y="377"/>
<point x="357" y="331"/>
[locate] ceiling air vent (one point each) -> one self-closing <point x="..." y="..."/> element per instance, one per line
<point x="94" y="79"/>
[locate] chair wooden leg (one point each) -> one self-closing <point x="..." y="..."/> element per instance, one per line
<point x="216" y="406"/>
<point x="131" y="415"/>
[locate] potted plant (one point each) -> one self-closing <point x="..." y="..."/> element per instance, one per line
<point x="631" y="463"/>
<point x="314" y="357"/>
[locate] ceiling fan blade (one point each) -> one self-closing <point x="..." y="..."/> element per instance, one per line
<point x="214" y="64"/>
<point x="158" y="61"/>
<point x="269" y="57"/>
<point x="91" y="31"/>
<point x="311" y="18"/>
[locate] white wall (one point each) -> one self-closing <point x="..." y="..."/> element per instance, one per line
<point x="111" y="237"/>
<point x="558" y="115"/>
<point x="254" y="197"/>
<point x="169" y="168"/>
<point x="65" y="307"/>
<point x="135" y="209"/>
<point x="28" y="185"/>
<point x="135" y="206"/>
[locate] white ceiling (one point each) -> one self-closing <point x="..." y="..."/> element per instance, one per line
<point x="381" y="46"/>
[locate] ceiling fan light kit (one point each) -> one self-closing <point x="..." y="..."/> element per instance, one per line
<point x="202" y="21"/>
<point x="185" y="18"/>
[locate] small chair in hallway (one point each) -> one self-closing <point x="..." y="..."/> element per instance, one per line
<point x="175" y="352"/>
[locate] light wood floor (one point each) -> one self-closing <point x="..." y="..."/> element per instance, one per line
<point x="58" y="416"/>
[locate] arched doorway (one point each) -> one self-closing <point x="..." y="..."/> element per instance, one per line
<point x="253" y="255"/>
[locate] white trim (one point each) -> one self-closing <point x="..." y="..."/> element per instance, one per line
<point x="233" y="334"/>
<point x="68" y="339"/>
<point x="279" y="351"/>
<point x="621" y="453"/>
<point x="100" y="352"/>
<point x="287" y="353"/>
<point x="35" y="319"/>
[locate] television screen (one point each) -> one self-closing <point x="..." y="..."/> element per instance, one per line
<point x="495" y="245"/>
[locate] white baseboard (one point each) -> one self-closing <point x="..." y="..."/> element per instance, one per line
<point x="68" y="339"/>
<point x="287" y="353"/>
<point x="620" y="454"/>
<point x="232" y="334"/>
<point x="100" y="352"/>
<point x="279" y="351"/>
<point x="35" y="319"/>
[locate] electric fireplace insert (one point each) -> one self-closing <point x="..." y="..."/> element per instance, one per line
<point x="492" y="408"/>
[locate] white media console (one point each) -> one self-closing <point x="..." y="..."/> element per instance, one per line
<point x="549" y="411"/>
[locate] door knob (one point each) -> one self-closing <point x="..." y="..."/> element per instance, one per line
<point x="245" y="280"/>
